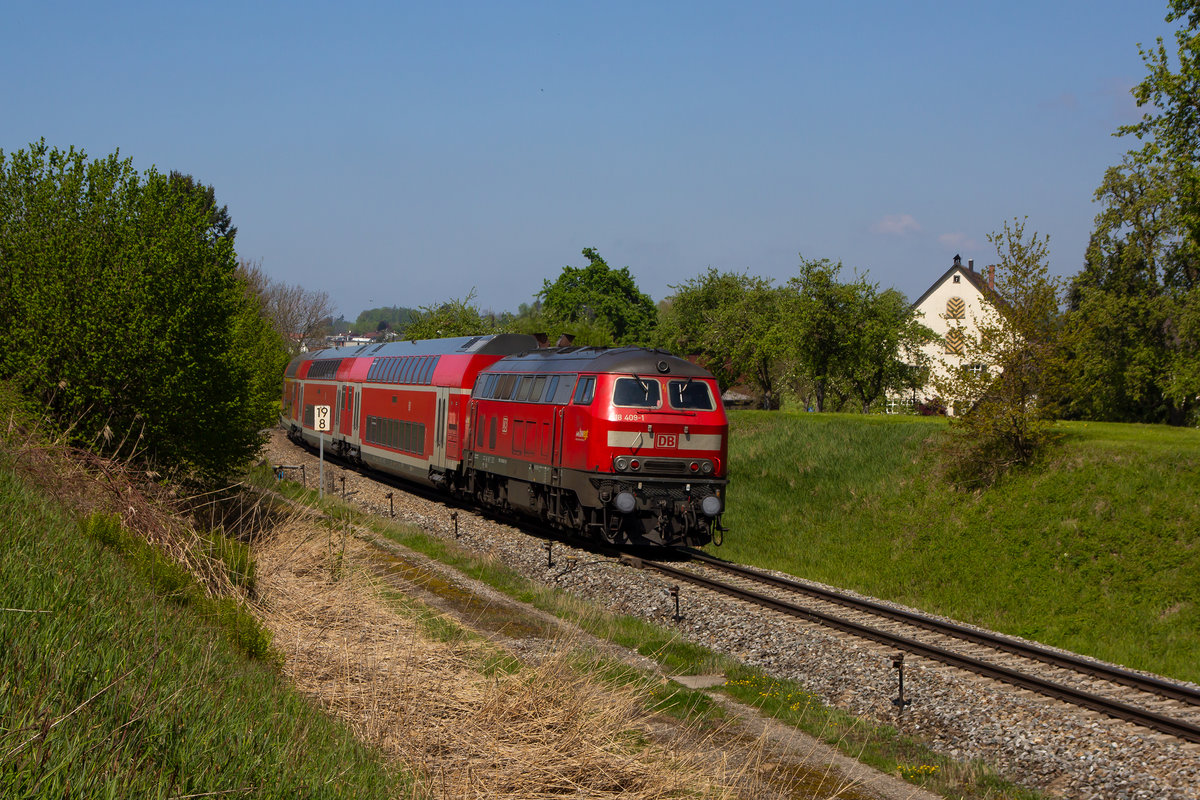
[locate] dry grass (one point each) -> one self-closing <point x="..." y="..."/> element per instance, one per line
<point x="546" y="730"/>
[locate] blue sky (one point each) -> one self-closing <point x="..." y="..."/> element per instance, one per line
<point x="406" y="154"/>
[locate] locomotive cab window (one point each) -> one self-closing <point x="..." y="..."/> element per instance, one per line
<point x="636" y="393"/>
<point x="690" y="395"/>
<point x="584" y="390"/>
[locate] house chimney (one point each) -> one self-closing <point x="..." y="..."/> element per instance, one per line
<point x="971" y="264"/>
<point x="992" y="277"/>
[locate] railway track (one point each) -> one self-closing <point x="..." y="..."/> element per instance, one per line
<point x="1114" y="692"/>
<point x="895" y="627"/>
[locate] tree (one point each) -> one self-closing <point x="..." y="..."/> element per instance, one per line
<point x="882" y="348"/>
<point x="689" y="322"/>
<point x="397" y="318"/>
<point x="823" y="314"/>
<point x="1131" y="330"/>
<point x="136" y="332"/>
<point x="599" y="296"/>
<point x="299" y="316"/>
<point x="1010" y="365"/>
<point x="452" y="318"/>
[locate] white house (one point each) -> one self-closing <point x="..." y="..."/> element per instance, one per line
<point x="952" y="308"/>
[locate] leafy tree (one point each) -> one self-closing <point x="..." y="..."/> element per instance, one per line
<point x="396" y="317"/>
<point x="1130" y="331"/>
<point x="822" y="334"/>
<point x="733" y="322"/>
<point x="599" y="297"/>
<point x="881" y="351"/>
<point x="689" y="323"/>
<point x="452" y="318"/>
<point x="135" y="330"/>
<point x="1010" y="364"/>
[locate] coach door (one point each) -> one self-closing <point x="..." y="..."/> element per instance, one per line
<point x="438" y="460"/>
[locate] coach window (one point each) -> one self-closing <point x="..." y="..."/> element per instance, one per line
<point x="394" y="371"/>
<point x="690" y="395"/>
<point x="636" y="393"/>
<point x="410" y="368"/>
<point x="584" y="390"/>
<point x="426" y="369"/>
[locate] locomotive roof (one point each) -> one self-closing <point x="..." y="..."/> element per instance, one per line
<point x="599" y="359"/>
<point x="494" y="344"/>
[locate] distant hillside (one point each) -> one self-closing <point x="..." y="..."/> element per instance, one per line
<point x="1094" y="550"/>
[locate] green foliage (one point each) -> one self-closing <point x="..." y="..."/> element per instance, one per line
<point x="110" y="691"/>
<point x="1010" y="365"/>
<point x="396" y="318"/>
<point x="452" y="318"/>
<point x="135" y="331"/>
<point x="600" y="298"/>
<point x="1131" y="333"/>
<point x="733" y="322"/>
<point x="814" y="336"/>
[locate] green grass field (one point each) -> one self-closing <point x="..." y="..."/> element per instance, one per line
<point x="1094" y="549"/>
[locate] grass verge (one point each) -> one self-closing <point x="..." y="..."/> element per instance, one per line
<point x="1095" y="549"/>
<point x="119" y="677"/>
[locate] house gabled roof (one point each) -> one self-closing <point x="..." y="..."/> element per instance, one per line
<point x="976" y="279"/>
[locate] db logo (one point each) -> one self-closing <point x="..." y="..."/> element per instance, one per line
<point x="666" y="440"/>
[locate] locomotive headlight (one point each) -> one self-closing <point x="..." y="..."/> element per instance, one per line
<point x="711" y="505"/>
<point x="706" y="467"/>
<point x="622" y="463"/>
<point x="625" y="502"/>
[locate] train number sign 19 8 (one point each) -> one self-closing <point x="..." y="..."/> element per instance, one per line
<point x="321" y="418"/>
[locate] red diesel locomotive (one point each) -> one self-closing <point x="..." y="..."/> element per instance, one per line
<point x="624" y="444"/>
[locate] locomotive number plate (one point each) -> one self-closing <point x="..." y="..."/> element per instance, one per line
<point x="667" y="440"/>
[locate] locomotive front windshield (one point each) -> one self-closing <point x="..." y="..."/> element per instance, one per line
<point x="636" y="393"/>
<point x="690" y="395"/>
<point x="683" y="395"/>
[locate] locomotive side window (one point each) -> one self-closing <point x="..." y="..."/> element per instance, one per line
<point x="690" y="395"/>
<point x="551" y="387"/>
<point x="636" y="393"/>
<point x="539" y="384"/>
<point x="505" y="386"/>
<point x="584" y="390"/>
<point x="563" y="395"/>
<point x="526" y="386"/>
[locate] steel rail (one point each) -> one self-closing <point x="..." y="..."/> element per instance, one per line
<point x="1112" y="708"/>
<point x="1036" y="652"/>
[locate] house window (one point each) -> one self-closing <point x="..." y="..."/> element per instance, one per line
<point x="954" y="341"/>
<point x="956" y="308"/>
<point x="958" y="278"/>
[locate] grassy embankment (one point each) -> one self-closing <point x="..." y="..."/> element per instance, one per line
<point x="120" y="677"/>
<point x="1094" y="549"/>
